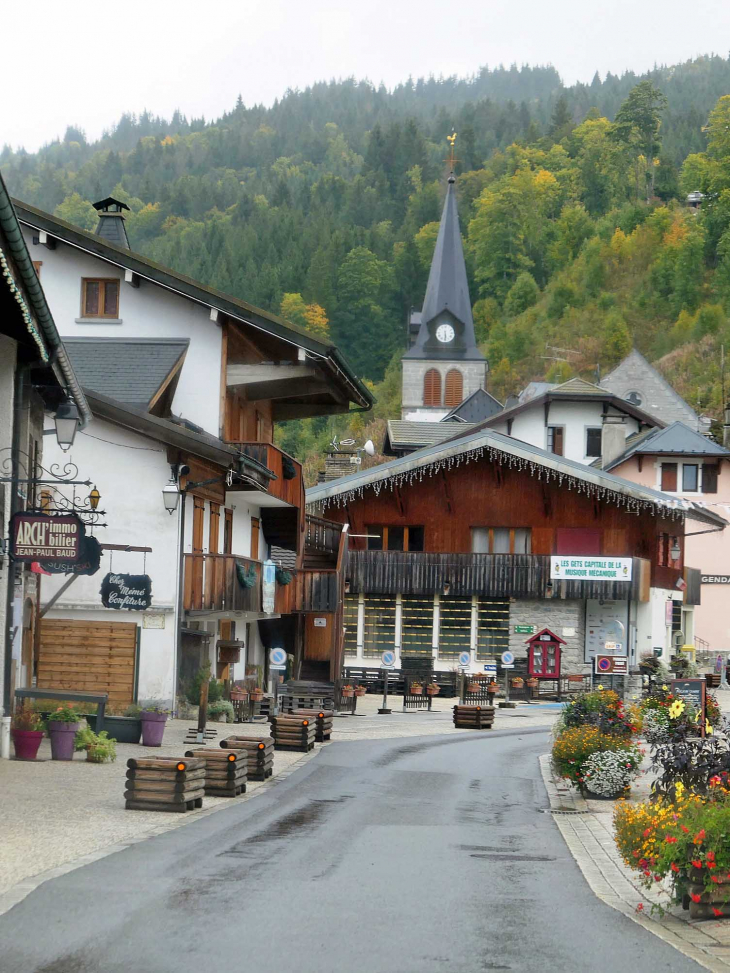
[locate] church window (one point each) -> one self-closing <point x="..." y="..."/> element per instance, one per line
<point x="454" y="388"/>
<point x="432" y="387"/>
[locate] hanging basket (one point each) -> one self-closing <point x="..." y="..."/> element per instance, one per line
<point x="361" y="691"/>
<point x="416" y="689"/>
<point x="288" y="469"/>
<point x="433" y="689"/>
<point x="246" y="575"/>
<point x="473" y="687"/>
<point x="347" y="692"/>
<point x="283" y="577"/>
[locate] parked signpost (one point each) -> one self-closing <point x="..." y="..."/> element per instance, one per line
<point x="387" y="661"/>
<point x="277" y="664"/>
<point x="508" y="662"/>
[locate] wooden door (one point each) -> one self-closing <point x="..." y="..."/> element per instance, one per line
<point x="93" y="657"/>
<point x="215" y="522"/>
<point x="198" y="520"/>
<point x="228" y="531"/>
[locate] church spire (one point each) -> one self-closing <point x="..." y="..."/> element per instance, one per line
<point x="446" y="324"/>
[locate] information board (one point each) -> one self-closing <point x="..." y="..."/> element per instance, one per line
<point x="590" y="568"/>
<point x="693" y="692"/>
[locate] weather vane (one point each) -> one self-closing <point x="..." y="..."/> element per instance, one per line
<point x="452" y="160"/>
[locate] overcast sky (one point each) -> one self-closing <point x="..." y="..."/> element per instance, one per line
<point x="87" y="61"/>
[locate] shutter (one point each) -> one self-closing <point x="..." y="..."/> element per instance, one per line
<point x="454" y="388"/>
<point x="669" y="477"/>
<point x="432" y="387"/>
<point x="709" y="478"/>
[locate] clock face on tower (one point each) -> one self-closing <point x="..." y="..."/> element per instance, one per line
<point x="445" y="333"/>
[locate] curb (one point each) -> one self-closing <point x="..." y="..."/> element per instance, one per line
<point x="24" y="887"/>
<point x="591" y="845"/>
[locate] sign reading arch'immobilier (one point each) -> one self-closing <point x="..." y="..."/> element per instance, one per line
<point x="46" y="537"/>
<point x="590" y="568"/>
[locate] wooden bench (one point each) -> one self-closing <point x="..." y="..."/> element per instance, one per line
<point x="65" y="695"/>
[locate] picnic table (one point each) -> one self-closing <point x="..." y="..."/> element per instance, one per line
<point x="66" y="695"/>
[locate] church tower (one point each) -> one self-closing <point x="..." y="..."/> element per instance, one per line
<point x="443" y="365"/>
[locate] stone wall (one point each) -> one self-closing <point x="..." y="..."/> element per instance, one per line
<point x="560" y="617"/>
<point x="475" y="377"/>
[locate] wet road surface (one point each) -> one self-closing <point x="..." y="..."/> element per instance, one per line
<point x="424" y="855"/>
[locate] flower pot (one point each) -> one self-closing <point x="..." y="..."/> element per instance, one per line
<point x="473" y="687"/>
<point x="434" y="691"/>
<point x="153" y="729"/>
<point x="256" y="697"/>
<point x="416" y="690"/>
<point x="62" y="739"/>
<point x="238" y="696"/>
<point x="26" y="743"/>
<point x="347" y="693"/>
<point x="123" y="729"/>
<point x="361" y="692"/>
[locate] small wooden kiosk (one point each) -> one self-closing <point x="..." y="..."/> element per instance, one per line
<point x="544" y="656"/>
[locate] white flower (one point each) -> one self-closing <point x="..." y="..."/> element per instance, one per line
<point x="655" y="726"/>
<point x="608" y="772"/>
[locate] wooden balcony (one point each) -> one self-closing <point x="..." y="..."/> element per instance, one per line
<point x="488" y="575"/>
<point x="321" y="542"/>
<point x="286" y="484"/>
<point x="210" y="584"/>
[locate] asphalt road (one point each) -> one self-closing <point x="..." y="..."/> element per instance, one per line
<point x="388" y="856"/>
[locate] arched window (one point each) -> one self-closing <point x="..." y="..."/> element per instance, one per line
<point x="454" y="388"/>
<point x="432" y="387"/>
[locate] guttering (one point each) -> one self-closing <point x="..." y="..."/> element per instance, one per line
<point x="21" y="258"/>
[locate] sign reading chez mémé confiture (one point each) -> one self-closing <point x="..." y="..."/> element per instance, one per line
<point x="130" y="591"/>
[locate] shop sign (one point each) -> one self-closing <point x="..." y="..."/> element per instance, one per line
<point x="88" y="561"/>
<point x="132" y="592"/>
<point x="45" y="537"/>
<point x="590" y="568"/>
<point x="268" y="587"/>
<point x="693" y="692"/>
<point x="716" y="579"/>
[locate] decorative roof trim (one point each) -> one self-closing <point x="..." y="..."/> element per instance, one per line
<point x="24" y="309"/>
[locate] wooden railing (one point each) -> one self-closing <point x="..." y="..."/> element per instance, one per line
<point x="489" y="575"/>
<point x="322" y="536"/>
<point x="211" y="583"/>
<point x="288" y="485"/>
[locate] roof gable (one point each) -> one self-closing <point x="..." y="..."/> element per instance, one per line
<point x="676" y="439"/>
<point x="640" y="383"/>
<point x="477" y="407"/>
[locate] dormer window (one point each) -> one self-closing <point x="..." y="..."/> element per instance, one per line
<point x="99" y="298"/>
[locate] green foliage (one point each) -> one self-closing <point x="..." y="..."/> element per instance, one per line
<point x="521" y="295"/>
<point x="215" y="688"/>
<point x="99" y="748"/>
<point x="221" y="707"/>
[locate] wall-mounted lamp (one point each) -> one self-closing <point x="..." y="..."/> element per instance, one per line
<point x="67" y="422"/>
<point x="676" y="551"/>
<point x="94" y="498"/>
<point x="447" y="586"/>
<point x="171" y="494"/>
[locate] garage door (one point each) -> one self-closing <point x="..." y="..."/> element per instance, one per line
<point x="93" y="657"/>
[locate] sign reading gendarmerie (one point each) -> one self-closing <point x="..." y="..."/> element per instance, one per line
<point x="590" y="568"/>
<point x="130" y="591"/>
<point x="716" y="579"/>
<point x="45" y="537"/>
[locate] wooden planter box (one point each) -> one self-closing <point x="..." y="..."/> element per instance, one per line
<point x="225" y="771"/>
<point x="717" y="897"/>
<point x="259" y="751"/>
<point x="294" y="733"/>
<point x="165" y="784"/>
<point x="324" y="718"/>
<point x="474" y="717"/>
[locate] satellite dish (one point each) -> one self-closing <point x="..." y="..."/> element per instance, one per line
<point x="347" y="442"/>
<point x="369" y="448"/>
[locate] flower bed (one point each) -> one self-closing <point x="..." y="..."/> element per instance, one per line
<point x="576" y="753"/>
<point x="603" y="709"/>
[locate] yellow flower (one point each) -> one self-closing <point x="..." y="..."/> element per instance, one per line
<point x="600" y="687"/>
<point x="708" y="728"/>
<point x="676" y="709"/>
<point x="665" y="687"/>
<point x="679" y="788"/>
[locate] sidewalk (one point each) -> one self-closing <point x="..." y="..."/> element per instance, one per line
<point x="57" y="815"/>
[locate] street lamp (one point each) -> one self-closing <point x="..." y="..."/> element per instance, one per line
<point x="67" y="422"/>
<point x="94" y="498"/>
<point x="675" y="551"/>
<point x="171" y="495"/>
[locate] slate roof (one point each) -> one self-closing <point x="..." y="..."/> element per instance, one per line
<point x="129" y="370"/>
<point x="447" y="290"/>
<point x="635" y="375"/>
<point x="533" y="389"/>
<point x="675" y="439"/>
<point x="403" y="434"/>
<point x="329" y="356"/>
<point x="477" y="407"/>
<point x="474" y="444"/>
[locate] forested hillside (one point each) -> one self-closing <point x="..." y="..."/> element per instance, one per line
<point x="324" y="208"/>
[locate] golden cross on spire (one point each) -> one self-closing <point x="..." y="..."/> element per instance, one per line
<point x="452" y="160"/>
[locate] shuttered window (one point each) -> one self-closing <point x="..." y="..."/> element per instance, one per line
<point x="709" y="478"/>
<point x="349" y="620"/>
<point x="432" y="387"/>
<point x="669" y="477"/>
<point x="379" y="630"/>
<point x="492" y="627"/>
<point x="417" y="627"/>
<point x="454" y="626"/>
<point x="454" y="393"/>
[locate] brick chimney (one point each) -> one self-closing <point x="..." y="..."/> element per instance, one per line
<point x="613" y="438"/>
<point x="111" y="221"/>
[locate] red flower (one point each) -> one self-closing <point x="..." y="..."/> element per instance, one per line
<point x="694" y="897"/>
<point x="657" y="878"/>
<point x="647" y="873"/>
<point x="686" y="830"/>
<point x="716" y="912"/>
<point x="716" y="879"/>
<point x="712" y="864"/>
<point x="697" y="863"/>
<point x="670" y="840"/>
<point x="674" y="866"/>
<point x="647" y="832"/>
<point x="710" y="856"/>
<point x="640" y="907"/>
<point x="699" y="837"/>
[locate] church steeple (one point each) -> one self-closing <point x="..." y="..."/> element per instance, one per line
<point x="446" y="327"/>
<point x="443" y="366"/>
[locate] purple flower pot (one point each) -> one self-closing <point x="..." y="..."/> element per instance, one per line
<point x="26" y="743"/>
<point x="62" y="739"/>
<point x="153" y="729"/>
